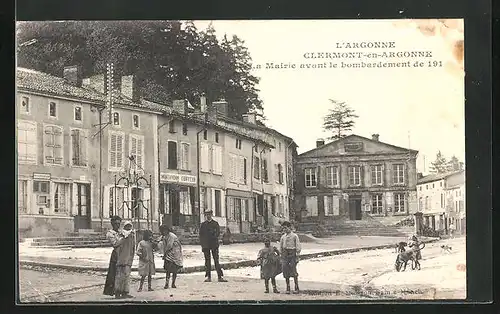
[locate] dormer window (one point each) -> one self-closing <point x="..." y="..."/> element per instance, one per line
<point x="116" y="118"/>
<point x="135" y="121"/>
<point x="78" y="114"/>
<point x="25" y="105"/>
<point x="52" y="109"/>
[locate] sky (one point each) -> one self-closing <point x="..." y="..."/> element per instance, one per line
<point x="417" y="107"/>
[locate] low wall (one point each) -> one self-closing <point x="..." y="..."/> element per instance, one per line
<point x="30" y="226"/>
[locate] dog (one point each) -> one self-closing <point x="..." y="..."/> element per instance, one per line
<point x="446" y="248"/>
<point x="400" y="247"/>
<point x="403" y="258"/>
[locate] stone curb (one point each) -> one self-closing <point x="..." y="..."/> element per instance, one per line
<point x="225" y="266"/>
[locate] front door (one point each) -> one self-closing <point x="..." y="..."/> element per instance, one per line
<point x="83" y="217"/>
<point x="266" y="213"/>
<point x="354" y="208"/>
<point x="175" y="209"/>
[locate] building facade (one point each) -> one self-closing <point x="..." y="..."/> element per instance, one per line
<point x="81" y="161"/>
<point x="441" y="200"/>
<point x="354" y="178"/>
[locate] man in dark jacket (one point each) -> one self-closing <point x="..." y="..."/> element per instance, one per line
<point x="209" y="240"/>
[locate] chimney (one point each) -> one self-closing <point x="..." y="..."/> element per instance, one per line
<point x="320" y="142"/>
<point x="129" y="87"/>
<point x="203" y="104"/>
<point x="180" y="106"/>
<point x="250" y="117"/>
<point x="375" y="137"/>
<point x="96" y="83"/>
<point x="222" y="107"/>
<point x="73" y="75"/>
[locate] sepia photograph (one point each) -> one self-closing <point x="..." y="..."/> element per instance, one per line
<point x="240" y="160"/>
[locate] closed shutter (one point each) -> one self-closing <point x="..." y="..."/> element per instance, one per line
<point x="222" y="204"/>
<point x="133" y="152"/>
<point x="139" y="153"/>
<point x="204" y="157"/>
<point x="243" y="210"/>
<point x="325" y="205"/>
<point x="74" y="197"/>
<point x="58" y="145"/>
<point x="241" y="170"/>
<point x="230" y="209"/>
<point x="362" y="175"/>
<point x="48" y="147"/>
<point x="219" y="160"/>
<point x="119" y="150"/>
<point x="105" y="201"/>
<point x="83" y="148"/>
<point x="231" y="168"/>
<point x="112" y="150"/>
<point x="336" y="205"/>
<point x="75" y="147"/>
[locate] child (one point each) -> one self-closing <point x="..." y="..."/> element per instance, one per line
<point x="146" y="259"/>
<point x="290" y="250"/>
<point x="270" y="266"/>
<point x="226" y="237"/>
<point x="414" y="244"/>
<point x="172" y="254"/>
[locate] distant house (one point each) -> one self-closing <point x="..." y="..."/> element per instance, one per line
<point x="441" y="199"/>
<point x="355" y="178"/>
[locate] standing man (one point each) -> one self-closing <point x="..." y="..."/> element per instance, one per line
<point x="452" y="229"/>
<point x="209" y="240"/>
<point x="290" y="249"/>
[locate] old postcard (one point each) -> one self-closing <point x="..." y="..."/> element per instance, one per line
<point x="239" y="160"/>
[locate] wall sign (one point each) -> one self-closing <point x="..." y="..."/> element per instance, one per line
<point x="41" y="176"/>
<point x="353" y="146"/>
<point x="177" y="178"/>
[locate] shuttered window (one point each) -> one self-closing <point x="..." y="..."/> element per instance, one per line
<point x="61" y="195"/>
<point x="204" y="157"/>
<point x="53" y="145"/>
<point x="217" y="159"/>
<point x="137" y="152"/>
<point x="78" y="147"/>
<point x="185" y="151"/>
<point x="26" y="142"/>
<point x="22" y="196"/>
<point x="116" y="150"/>
<point x="172" y="154"/>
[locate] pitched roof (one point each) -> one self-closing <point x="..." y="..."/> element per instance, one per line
<point x="365" y="138"/>
<point x="437" y="176"/>
<point x="35" y="81"/>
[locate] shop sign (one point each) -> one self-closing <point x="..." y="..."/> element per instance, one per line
<point x="177" y="178"/>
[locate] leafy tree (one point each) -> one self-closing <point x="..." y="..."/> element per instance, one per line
<point x="339" y="120"/>
<point x="440" y="164"/>
<point x="454" y="164"/>
<point x="172" y="59"/>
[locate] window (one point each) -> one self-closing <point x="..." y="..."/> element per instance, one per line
<point x="426" y="186"/>
<point x="332" y="176"/>
<point x="238" y="169"/>
<point x="172" y="155"/>
<point x="116" y="201"/>
<point x="442" y="200"/>
<point x="22" y="196"/>
<point x="420" y="204"/>
<point x="205" y="134"/>
<point x="420" y="188"/>
<point x="41" y="187"/>
<point x="377" y="175"/>
<point x="238" y="143"/>
<point x="135" y="121"/>
<point x="218" y="200"/>
<point x="377" y="208"/>
<point x="273" y="205"/>
<point x="185" y="152"/>
<point x="217" y="159"/>
<point x="399" y="174"/>
<point x="204" y="157"/>
<point x="116" y="118"/>
<point x="433" y="185"/>
<point x="355" y="175"/>
<point x="52" y="109"/>
<point x="78" y="113"/>
<point x="399" y="202"/>
<point x="136" y="150"/>
<point x="171" y="126"/>
<point x="280" y="174"/>
<point x="441" y="184"/>
<point x="216" y="137"/>
<point x="53" y="145"/>
<point x="265" y="176"/>
<point x="116" y="151"/>
<point x="310" y="174"/>
<point x="78" y="148"/>
<point x="185" y="203"/>
<point x="25" y="105"/>
<point x="279" y="146"/>
<point x="61" y="193"/>
<point x="427" y="202"/>
<point x="26" y="142"/>
<point x="256" y="167"/>
<point x="184" y="129"/>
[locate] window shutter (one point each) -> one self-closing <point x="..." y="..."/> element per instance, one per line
<point x="243" y="210"/>
<point x="75" y="146"/>
<point x="362" y="175"/>
<point x="325" y="205"/>
<point x="112" y="150"/>
<point x="222" y="203"/>
<point x="336" y="205"/>
<point x="139" y="150"/>
<point x="83" y="148"/>
<point x="106" y="201"/>
<point x="219" y="160"/>
<point x="133" y="151"/>
<point x="119" y="150"/>
<point x="212" y="200"/>
<point x="48" y="150"/>
<point x="230" y="209"/>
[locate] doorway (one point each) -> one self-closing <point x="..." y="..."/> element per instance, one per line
<point x="83" y="218"/>
<point x="174" y="205"/>
<point x="355" y="207"/>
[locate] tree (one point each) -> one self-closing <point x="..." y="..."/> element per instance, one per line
<point x="440" y="164"/>
<point x="339" y="120"/>
<point x="454" y="164"/>
<point x="171" y="59"/>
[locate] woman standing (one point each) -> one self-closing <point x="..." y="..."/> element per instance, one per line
<point x="172" y="254"/>
<point x="115" y="238"/>
<point x="124" y="262"/>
